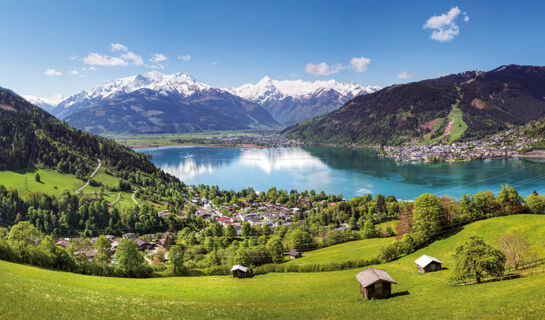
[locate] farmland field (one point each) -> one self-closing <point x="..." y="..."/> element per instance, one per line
<point x="33" y="293"/>
<point x="352" y="250"/>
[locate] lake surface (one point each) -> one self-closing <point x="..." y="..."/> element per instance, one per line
<point x="350" y="172"/>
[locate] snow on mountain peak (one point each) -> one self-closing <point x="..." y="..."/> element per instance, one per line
<point x="267" y="88"/>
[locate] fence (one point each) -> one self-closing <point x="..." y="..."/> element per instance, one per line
<point x="510" y="276"/>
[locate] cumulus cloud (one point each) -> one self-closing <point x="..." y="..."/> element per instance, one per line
<point x="136" y="59"/>
<point x="118" y="47"/>
<point x="360" y="64"/>
<point x="52" y="72"/>
<point x="444" y="27"/>
<point x="96" y="59"/>
<point x="323" y="69"/>
<point x="404" y="75"/>
<point x="158" y="57"/>
<point x="184" y="57"/>
<point x="74" y="72"/>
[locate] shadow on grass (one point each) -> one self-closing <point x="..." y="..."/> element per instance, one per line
<point x="400" y="294"/>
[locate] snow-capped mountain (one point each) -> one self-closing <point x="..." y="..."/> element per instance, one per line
<point x="179" y="84"/>
<point x="159" y="103"/>
<point x="291" y="101"/>
<point x="48" y="104"/>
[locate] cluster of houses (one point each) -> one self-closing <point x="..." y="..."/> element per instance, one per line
<point x="143" y="245"/>
<point x="271" y="140"/>
<point x="256" y="214"/>
<point x="509" y="143"/>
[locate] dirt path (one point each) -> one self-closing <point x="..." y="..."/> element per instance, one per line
<point x="133" y="199"/>
<point x="90" y="177"/>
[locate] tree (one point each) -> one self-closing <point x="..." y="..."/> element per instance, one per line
<point x="103" y="248"/>
<point x="22" y="235"/>
<point x="176" y="258"/>
<point x="242" y="257"/>
<point x="246" y="230"/>
<point x="369" y="230"/>
<point x="299" y="239"/>
<point x="427" y="215"/>
<point x="274" y="245"/>
<point x="129" y="261"/>
<point x="229" y="231"/>
<point x="476" y="259"/>
<point x="37" y="177"/>
<point x="509" y="200"/>
<point x="535" y="203"/>
<point x="515" y="247"/>
<point x="405" y="222"/>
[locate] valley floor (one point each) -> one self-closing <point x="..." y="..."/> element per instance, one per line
<point x="32" y="293"/>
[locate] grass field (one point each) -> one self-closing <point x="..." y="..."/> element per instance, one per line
<point x="353" y="250"/>
<point x="155" y="140"/>
<point x="106" y="179"/>
<point x="459" y="126"/>
<point x="32" y="293"/>
<point x="52" y="182"/>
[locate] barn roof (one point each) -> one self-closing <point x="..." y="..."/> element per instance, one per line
<point x="424" y="260"/>
<point x="239" y="267"/>
<point x="371" y="275"/>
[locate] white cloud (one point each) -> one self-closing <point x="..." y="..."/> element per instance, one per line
<point x="323" y="68"/>
<point x="360" y="64"/>
<point x="102" y="60"/>
<point x="158" y="57"/>
<point x="404" y="75"/>
<point x="213" y="63"/>
<point x="184" y="57"/>
<point x="52" y="72"/>
<point x="444" y="27"/>
<point x="136" y="59"/>
<point x="74" y="72"/>
<point x="118" y="47"/>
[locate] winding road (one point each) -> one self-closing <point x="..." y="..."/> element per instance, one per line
<point x="90" y="177"/>
<point x="134" y="199"/>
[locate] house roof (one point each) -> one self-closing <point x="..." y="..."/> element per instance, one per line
<point x="424" y="260"/>
<point x="371" y="275"/>
<point x="239" y="267"/>
<point x="293" y="252"/>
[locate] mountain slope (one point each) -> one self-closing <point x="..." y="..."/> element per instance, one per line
<point x="48" y="104"/>
<point x="454" y="107"/>
<point x="159" y="103"/>
<point x="292" y="101"/>
<point x="30" y="136"/>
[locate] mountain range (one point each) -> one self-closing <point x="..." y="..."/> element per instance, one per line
<point x="158" y="103"/>
<point x="461" y="106"/>
<point x="292" y="101"/>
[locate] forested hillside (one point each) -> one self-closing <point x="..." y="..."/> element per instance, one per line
<point x="455" y="107"/>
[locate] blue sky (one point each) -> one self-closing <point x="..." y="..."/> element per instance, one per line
<point x="44" y="43"/>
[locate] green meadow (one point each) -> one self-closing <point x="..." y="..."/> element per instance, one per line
<point x="51" y="182"/>
<point x="33" y="293"/>
<point x="352" y="250"/>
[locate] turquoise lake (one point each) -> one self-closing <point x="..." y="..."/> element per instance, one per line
<point x="350" y="172"/>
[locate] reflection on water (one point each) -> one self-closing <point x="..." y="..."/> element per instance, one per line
<point x="349" y="172"/>
<point x="276" y="159"/>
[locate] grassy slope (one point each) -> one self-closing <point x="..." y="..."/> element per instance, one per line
<point x="345" y="251"/>
<point x="49" y="180"/>
<point x="29" y="292"/>
<point x="459" y="126"/>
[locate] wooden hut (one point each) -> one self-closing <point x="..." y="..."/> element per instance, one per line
<point x="239" y="271"/>
<point x="427" y="264"/>
<point x="294" y="254"/>
<point x="375" y="283"/>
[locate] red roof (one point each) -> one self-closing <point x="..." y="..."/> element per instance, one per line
<point x="332" y="204"/>
<point x="223" y="219"/>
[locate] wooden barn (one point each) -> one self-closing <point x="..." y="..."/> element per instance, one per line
<point x="239" y="271"/>
<point x="294" y="254"/>
<point x="375" y="283"/>
<point x="427" y="264"/>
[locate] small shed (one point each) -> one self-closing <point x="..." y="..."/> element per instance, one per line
<point x="239" y="271"/>
<point x="428" y="264"/>
<point x="375" y="283"/>
<point x="294" y="254"/>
